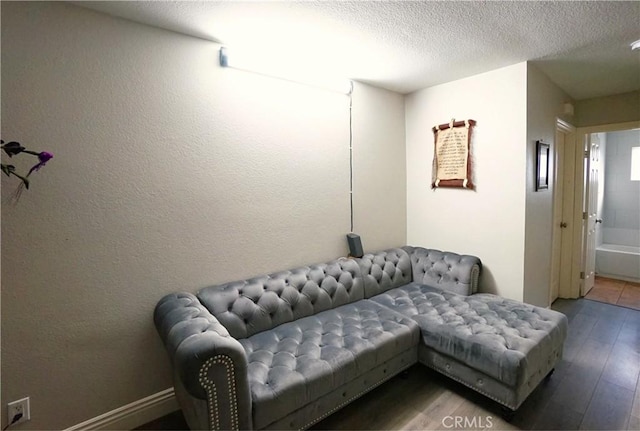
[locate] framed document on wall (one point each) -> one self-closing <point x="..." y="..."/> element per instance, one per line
<point x="452" y="162"/>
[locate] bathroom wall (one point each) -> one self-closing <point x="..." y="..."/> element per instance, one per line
<point x="621" y="212"/>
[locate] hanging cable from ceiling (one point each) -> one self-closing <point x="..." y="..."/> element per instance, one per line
<point x="351" y="153"/>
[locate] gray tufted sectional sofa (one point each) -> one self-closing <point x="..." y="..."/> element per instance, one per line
<point x="283" y="351"/>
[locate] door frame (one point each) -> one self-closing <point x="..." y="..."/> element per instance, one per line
<point x="578" y="259"/>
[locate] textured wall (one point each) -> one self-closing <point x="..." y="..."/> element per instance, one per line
<point x="488" y="222"/>
<point x="169" y="174"/>
<point x="621" y="208"/>
<point x="619" y="108"/>
<point x="379" y="167"/>
<point x="544" y="105"/>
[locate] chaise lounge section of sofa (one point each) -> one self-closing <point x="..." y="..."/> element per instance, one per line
<point x="285" y="350"/>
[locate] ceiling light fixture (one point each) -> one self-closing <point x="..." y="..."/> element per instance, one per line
<point x="635" y="45"/>
<point x="270" y="66"/>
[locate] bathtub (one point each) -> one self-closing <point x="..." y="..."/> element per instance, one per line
<point x="618" y="261"/>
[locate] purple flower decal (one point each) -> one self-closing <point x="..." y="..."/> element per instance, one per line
<point x="43" y="158"/>
<point x="14" y="148"/>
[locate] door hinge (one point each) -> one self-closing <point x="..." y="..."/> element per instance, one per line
<point x="581" y="275"/>
<point x="586" y="154"/>
<point x="584" y="215"/>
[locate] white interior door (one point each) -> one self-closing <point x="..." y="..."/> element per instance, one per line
<point x="565" y="263"/>
<point x="592" y="160"/>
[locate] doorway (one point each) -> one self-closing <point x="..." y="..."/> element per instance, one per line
<point x="617" y="248"/>
<point x="583" y="222"/>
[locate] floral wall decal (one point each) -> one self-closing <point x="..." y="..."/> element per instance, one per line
<point x="14" y="148"/>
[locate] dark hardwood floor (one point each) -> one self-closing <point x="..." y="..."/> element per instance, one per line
<point x="595" y="387"/>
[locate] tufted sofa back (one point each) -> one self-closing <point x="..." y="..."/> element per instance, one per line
<point x="450" y="271"/>
<point x="247" y="307"/>
<point x="385" y="270"/>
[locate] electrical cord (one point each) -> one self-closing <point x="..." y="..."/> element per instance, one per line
<point x="15" y="419"/>
<point x="351" y="153"/>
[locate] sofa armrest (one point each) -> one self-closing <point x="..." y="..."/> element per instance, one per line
<point x="210" y="364"/>
<point x="446" y="270"/>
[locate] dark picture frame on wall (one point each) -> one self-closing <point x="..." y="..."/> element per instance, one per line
<point x="542" y="166"/>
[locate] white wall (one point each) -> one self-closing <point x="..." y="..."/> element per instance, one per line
<point x="488" y="222"/>
<point x="544" y="105"/>
<point x="379" y="168"/>
<point x="169" y="174"/>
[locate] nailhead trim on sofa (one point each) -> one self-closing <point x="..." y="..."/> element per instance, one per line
<point x="212" y="395"/>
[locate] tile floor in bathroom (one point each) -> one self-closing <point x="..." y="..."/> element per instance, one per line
<point x="618" y="292"/>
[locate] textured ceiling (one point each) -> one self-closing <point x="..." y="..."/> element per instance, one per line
<point x="405" y="46"/>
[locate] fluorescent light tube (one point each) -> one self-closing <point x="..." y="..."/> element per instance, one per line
<point x="269" y="65"/>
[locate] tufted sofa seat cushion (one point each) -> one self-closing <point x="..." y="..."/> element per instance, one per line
<point x="502" y="338"/>
<point x="300" y="361"/>
<point x="251" y="306"/>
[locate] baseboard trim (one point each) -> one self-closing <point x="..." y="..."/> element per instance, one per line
<point x="132" y="415"/>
